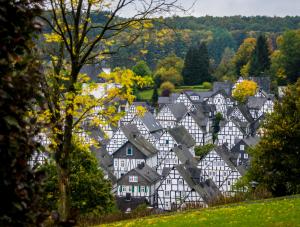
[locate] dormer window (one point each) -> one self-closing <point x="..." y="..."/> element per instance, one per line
<point x="129" y="151"/>
<point x="133" y="179"/>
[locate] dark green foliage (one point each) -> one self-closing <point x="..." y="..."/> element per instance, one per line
<point x="290" y="49"/>
<point x="19" y="82"/>
<point x="142" y="69"/>
<point x="196" y="65"/>
<point x="90" y="192"/>
<point x="154" y="98"/>
<point x="216" y="125"/>
<point x="275" y="160"/>
<point x="201" y="151"/>
<point x="260" y="59"/>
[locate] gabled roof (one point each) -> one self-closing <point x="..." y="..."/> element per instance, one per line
<point x="178" y="110"/>
<point x="226" y="86"/>
<point x="168" y="100"/>
<point x="244" y="111"/>
<point x="150" y="122"/>
<point x="194" y="177"/>
<point x="200" y="118"/>
<point x="229" y="159"/>
<point x="223" y="93"/>
<point x="205" y="108"/>
<point x="145" y="171"/>
<point x="254" y="126"/>
<point x="130" y="130"/>
<point x="264" y="82"/>
<point x="251" y="140"/>
<point x="184" y="155"/>
<point x="182" y="136"/>
<point x="256" y="102"/>
<point x="241" y="125"/>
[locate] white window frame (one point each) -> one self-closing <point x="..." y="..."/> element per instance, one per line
<point x="242" y="147"/>
<point x="133" y="179"/>
<point x="167" y="193"/>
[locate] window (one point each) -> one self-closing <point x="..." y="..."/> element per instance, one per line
<point x="116" y="163"/>
<point x="142" y="188"/>
<point x="224" y="173"/>
<point x="167" y="204"/>
<point x="228" y="182"/>
<point x="169" y="181"/>
<point x="124" y="188"/>
<point x="242" y="147"/>
<point x="167" y="193"/>
<point x="129" y="151"/>
<point x="246" y="156"/>
<point x="167" y="141"/>
<point x="133" y="178"/>
<point x="122" y="163"/>
<point x="180" y="182"/>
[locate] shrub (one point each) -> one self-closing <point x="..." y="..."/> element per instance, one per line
<point x="201" y="151"/>
<point x="167" y="86"/>
<point x="207" y="85"/>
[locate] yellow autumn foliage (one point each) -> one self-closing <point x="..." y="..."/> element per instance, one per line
<point x="243" y="90"/>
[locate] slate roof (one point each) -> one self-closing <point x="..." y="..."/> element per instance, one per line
<point x="244" y="110"/>
<point x="184" y="155"/>
<point x="251" y="140"/>
<point x="226" y="86"/>
<point x="150" y="122"/>
<point x="264" y="82"/>
<point x="178" y="110"/>
<point x="143" y="170"/>
<point x="194" y="177"/>
<point x="143" y="145"/>
<point x="201" y="94"/>
<point x="200" y="118"/>
<point x="182" y="136"/>
<point x="229" y="159"/>
<point x="130" y="130"/>
<point x="256" y="102"/>
<point x="205" y="108"/>
<point x="241" y="125"/>
<point x="168" y="100"/>
<point x="132" y="204"/>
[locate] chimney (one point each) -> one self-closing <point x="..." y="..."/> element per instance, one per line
<point x="141" y="165"/>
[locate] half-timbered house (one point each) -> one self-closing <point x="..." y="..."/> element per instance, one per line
<point x="171" y="114"/>
<point x="184" y="186"/>
<point x="259" y="106"/>
<point x="222" y="101"/>
<point x="220" y="166"/>
<point x="231" y="131"/>
<point x="140" y="182"/>
<point x="133" y="152"/>
<point x="240" y="113"/>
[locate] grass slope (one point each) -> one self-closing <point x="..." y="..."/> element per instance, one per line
<point x="276" y="212"/>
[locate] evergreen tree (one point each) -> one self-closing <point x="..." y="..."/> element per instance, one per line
<point x="196" y="65"/>
<point x="275" y="161"/>
<point x="154" y="98"/>
<point x="260" y="59"/>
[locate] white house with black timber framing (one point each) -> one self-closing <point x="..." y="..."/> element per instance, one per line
<point x="222" y="101"/>
<point x="220" y="166"/>
<point x="135" y="151"/>
<point x="184" y="186"/>
<point x="140" y="182"/>
<point x="171" y="114"/>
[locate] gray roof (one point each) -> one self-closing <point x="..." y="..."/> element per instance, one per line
<point x="226" y="86"/>
<point x="251" y="140"/>
<point x="184" y="155"/>
<point x="256" y="102"/>
<point x="165" y="171"/>
<point x="130" y="130"/>
<point x="201" y="94"/>
<point x="182" y="136"/>
<point x="143" y="145"/>
<point x="168" y="100"/>
<point x="145" y="171"/>
<point x="150" y="122"/>
<point x="178" y="110"/>
<point x="241" y="125"/>
<point x="229" y="159"/>
<point x="194" y="177"/>
<point x="200" y="118"/>
<point x="205" y="108"/>
<point x="264" y="82"/>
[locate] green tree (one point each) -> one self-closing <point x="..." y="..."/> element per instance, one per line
<point x="19" y="95"/>
<point x="196" y="65"/>
<point x="225" y="70"/>
<point x="154" y="97"/>
<point x="90" y="192"/>
<point x="289" y="45"/>
<point x="169" y="69"/>
<point x="260" y="58"/>
<point x="243" y="54"/>
<point x="142" y="69"/>
<point x="275" y="160"/>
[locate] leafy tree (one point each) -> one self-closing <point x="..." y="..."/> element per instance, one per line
<point x="275" y="162"/>
<point x="260" y="59"/>
<point x="90" y="192"/>
<point x="77" y="41"/>
<point x="243" y="54"/>
<point x="225" y="70"/>
<point x="154" y="97"/>
<point x="142" y="69"/>
<point x="169" y="69"/>
<point x="216" y="125"/>
<point x="19" y="95"/>
<point x="207" y="85"/>
<point x="167" y="86"/>
<point x="196" y="65"/>
<point x="277" y="68"/>
<point x="244" y="89"/>
<point x="289" y="46"/>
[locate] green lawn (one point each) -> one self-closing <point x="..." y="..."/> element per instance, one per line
<point x="274" y="212"/>
<point x="147" y="94"/>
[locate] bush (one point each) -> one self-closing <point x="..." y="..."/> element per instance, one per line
<point x="167" y="86"/>
<point x="201" y="151"/>
<point x="207" y="85"/>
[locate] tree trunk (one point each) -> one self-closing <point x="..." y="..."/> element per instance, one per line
<point x="64" y="203"/>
